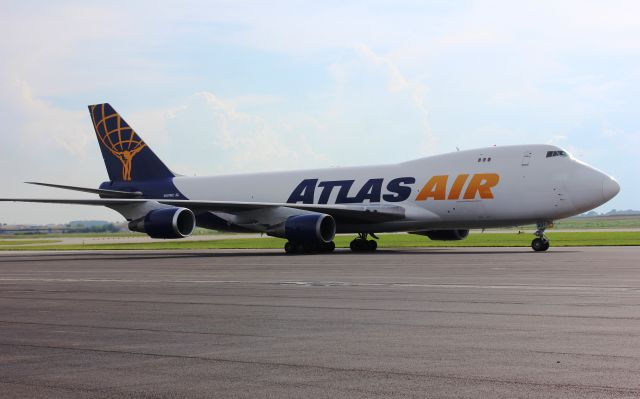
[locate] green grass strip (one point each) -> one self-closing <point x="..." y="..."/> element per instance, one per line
<point x="576" y="239"/>
<point x="26" y="242"/>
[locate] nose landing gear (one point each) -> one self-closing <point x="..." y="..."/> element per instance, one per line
<point x="361" y="244"/>
<point x="541" y="242"/>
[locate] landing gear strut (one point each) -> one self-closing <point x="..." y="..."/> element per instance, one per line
<point x="541" y="242"/>
<point x="361" y="244"/>
<point x="307" y="248"/>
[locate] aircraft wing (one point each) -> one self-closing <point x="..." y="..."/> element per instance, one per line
<point x="362" y="212"/>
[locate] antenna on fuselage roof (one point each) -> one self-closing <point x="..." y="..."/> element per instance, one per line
<point x="457" y="149"/>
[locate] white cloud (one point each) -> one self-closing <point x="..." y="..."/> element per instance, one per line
<point x="208" y="135"/>
<point x="376" y="109"/>
<point x="42" y="125"/>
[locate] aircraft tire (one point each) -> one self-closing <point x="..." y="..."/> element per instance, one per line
<point x="358" y="245"/>
<point x="372" y="246"/>
<point x="329" y="247"/>
<point x="303" y="248"/>
<point x="289" y="248"/>
<point x="354" y="246"/>
<point x="540" y="244"/>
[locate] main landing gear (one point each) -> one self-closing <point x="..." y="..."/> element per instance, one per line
<point x="361" y="244"/>
<point x="308" y="248"/>
<point x="540" y="243"/>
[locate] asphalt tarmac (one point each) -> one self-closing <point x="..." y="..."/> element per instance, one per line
<point x="441" y="323"/>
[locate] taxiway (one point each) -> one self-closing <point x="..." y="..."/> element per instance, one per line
<point x="498" y="323"/>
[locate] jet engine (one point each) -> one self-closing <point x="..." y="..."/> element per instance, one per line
<point x="444" y="235"/>
<point x="166" y="223"/>
<point x="313" y="228"/>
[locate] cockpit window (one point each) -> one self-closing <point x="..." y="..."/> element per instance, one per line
<point x="556" y="154"/>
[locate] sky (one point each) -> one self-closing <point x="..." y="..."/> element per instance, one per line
<point x="219" y="87"/>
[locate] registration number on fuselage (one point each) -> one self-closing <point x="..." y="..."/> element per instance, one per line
<point x="464" y="186"/>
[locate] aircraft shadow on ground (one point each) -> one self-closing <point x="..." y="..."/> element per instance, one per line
<point x="251" y="253"/>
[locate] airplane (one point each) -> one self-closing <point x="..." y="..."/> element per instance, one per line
<point x="440" y="197"/>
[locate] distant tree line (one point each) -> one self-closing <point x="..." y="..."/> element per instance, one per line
<point x="103" y="228"/>
<point x="613" y="212"/>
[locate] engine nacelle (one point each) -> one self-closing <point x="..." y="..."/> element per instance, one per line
<point x="315" y="228"/>
<point x="166" y="223"/>
<point x="445" y="235"/>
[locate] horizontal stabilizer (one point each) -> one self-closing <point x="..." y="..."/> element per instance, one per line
<point x="101" y="192"/>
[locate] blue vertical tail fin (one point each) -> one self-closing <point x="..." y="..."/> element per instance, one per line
<point x="126" y="156"/>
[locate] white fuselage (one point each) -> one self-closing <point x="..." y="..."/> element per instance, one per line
<point x="514" y="185"/>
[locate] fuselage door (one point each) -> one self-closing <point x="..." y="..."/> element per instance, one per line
<point x="526" y="158"/>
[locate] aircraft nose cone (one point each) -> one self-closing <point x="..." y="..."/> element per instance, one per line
<point x="610" y="188"/>
<point x="588" y="188"/>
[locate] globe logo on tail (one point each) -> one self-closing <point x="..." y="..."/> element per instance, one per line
<point x="116" y="136"/>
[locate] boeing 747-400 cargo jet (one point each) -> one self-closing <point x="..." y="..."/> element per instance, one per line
<point x="440" y="197"/>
